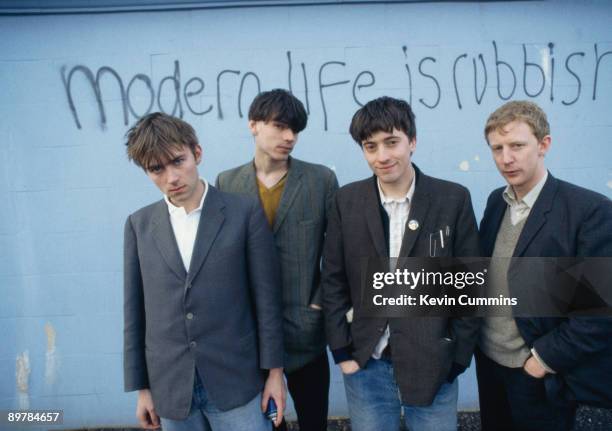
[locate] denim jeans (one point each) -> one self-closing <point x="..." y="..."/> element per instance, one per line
<point x="374" y="402"/>
<point x="204" y="416"/>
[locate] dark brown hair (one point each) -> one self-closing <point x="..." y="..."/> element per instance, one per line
<point x="153" y="138"/>
<point x="382" y="115"/>
<point x="279" y="105"/>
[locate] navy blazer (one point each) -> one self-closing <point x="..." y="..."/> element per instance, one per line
<point x="565" y="221"/>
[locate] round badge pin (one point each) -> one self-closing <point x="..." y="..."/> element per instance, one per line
<point x="413" y="225"/>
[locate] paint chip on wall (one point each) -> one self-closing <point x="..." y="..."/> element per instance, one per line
<point x="51" y="355"/>
<point x="22" y="376"/>
<point x="464" y="166"/>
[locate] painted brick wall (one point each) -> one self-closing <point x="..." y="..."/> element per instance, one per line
<point x="67" y="187"/>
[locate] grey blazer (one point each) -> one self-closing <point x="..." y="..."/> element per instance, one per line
<point x="222" y="317"/>
<point x="299" y="231"/>
<point x="423" y="349"/>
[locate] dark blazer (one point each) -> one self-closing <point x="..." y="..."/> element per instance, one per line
<point x="299" y="230"/>
<point x="565" y="221"/>
<point x="423" y="349"/>
<point x="222" y="317"/>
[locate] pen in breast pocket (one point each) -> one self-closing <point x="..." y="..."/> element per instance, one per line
<point x="441" y="239"/>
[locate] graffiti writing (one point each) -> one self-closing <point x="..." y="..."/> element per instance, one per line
<point x="530" y="78"/>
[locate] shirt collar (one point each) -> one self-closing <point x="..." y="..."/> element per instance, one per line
<point x="407" y="198"/>
<point x="529" y="199"/>
<point x="173" y="209"/>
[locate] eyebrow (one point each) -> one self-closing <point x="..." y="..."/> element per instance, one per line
<point x="388" y="138"/>
<point x="508" y="143"/>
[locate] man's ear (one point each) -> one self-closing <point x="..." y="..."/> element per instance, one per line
<point x="197" y="153"/>
<point x="544" y="145"/>
<point x="253" y="127"/>
<point x="412" y="144"/>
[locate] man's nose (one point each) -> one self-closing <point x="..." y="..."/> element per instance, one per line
<point x="507" y="156"/>
<point x="382" y="155"/>
<point x="172" y="175"/>
<point x="289" y="135"/>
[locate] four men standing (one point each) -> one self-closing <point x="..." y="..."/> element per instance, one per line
<point x="217" y="300"/>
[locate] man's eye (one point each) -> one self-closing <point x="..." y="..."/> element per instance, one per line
<point x="178" y="161"/>
<point x="155" y="169"/>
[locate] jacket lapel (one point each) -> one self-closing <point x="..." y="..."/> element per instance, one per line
<point x="211" y="220"/>
<point x="290" y="191"/>
<point x="491" y="224"/>
<point x="371" y="209"/>
<point x="163" y="235"/>
<point x="537" y="215"/>
<point x="418" y="211"/>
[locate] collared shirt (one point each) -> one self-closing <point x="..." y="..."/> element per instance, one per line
<point x="398" y="211"/>
<point x="520" y="208"/>
<point x="185" y="226"/>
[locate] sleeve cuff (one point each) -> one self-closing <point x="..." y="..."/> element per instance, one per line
<point x="342" y="354"/>
<point x="456" y="370"/>
<point x="541" y="361"/>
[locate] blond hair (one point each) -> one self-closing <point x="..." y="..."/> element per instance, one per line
<point x="519" y="110"/>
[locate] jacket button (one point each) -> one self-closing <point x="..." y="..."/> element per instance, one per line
<point x="193" y="344"/>
<point x="189" y="316"/>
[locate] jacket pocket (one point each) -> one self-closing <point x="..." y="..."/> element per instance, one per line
<point x="304" y="331"/>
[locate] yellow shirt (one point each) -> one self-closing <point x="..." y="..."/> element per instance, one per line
<point x="270" y="197"/>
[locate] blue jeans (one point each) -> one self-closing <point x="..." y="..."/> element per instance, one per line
<point x="204" y="416"/>
<point x="374" y="402"/>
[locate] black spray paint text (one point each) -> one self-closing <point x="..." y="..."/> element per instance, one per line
<point x="508" y="78"/>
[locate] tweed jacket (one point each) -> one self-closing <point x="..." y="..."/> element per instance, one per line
<point x="299" y="230"/>
<point x="423" y="349"/>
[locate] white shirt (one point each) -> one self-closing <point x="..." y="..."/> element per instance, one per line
<point x="398" y="211"/>
<point x="185" y="226"/>
<point x="519" y="209"/>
